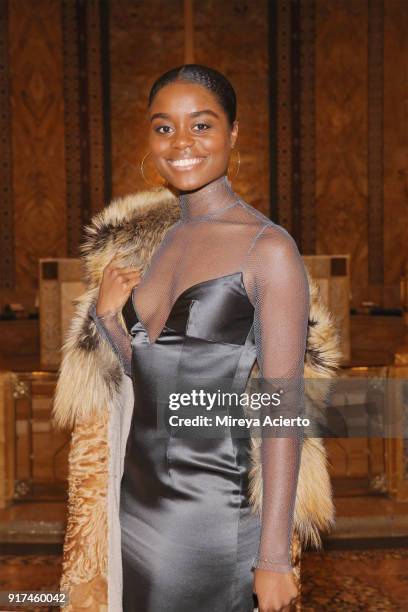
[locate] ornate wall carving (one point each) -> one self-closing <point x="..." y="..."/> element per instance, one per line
<point x="341" y="135"/>
<point x="295" y="120"/>
<point x="375" y="151"/>
<point x="323" y="123"/>
<point x="37" y="127"/>
<point x="83" y="103"/>
<point x="395" y="135"/>
<point x="7" y="258"/>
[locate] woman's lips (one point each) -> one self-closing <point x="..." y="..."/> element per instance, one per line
<point x="185" y="164"/>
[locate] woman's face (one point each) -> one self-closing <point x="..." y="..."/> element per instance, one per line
<point x="190" y="138"/>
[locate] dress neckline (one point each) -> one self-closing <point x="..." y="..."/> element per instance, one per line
<point x="215" y="279"/>
<point x="207" y="202"/>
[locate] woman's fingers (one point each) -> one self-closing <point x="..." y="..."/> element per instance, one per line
<point x="114" y="263"/>
<point x="129" y="273"/>
<point x="130" y="278"/>
<point x="123" y="274"/>
<point x="126" y="269"/>
<point x="117" y="284"/>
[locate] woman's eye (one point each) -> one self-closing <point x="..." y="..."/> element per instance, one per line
<point x="162" y="127"/>
<point x="201" y="125"/>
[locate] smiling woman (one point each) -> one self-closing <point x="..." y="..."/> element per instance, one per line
<point x="197" y="131"/>
<point x="226" y="287"/>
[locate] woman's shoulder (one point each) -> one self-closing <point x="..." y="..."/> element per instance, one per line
<point x="269" y="231"/>
<point x="273" y="242"/>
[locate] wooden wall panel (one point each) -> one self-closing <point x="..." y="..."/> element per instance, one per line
<point x="37" y="125"/>
<point x="57" y="161"/>
<point x="341" y="135"/>
<point x="75" y="130"/>
<point x="97" y="178"/>
<point x="375" y="137"/>
<point x="231" y="36"/>
<point x="307" y="128"/>
<point x="146" y="39"/>
<point x="284" y="105"/>
<point x="7" y="259"/>
<point x="395" y="146"/>
<point x="292" y="112"/>
<point x="52" y="175"/>
<point x="83" y="102"/>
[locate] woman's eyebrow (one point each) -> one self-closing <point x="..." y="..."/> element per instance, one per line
<point x="206" y="111"/>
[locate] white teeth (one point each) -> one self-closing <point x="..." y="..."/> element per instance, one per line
<point x="186" y="162"/>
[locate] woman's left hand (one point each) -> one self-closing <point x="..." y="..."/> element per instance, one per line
<point x="274" y="590"/>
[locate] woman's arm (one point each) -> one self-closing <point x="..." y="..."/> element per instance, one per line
<point x="280" y="294"/>
<point x="116" y="284"/>
<point x="111" y="330"/>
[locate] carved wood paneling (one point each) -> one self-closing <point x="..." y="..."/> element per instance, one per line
<point x="284" y="116"/>
<point x="104" y="37"/>
<point x="83" y="116"/>
<point x="272" y="36"/>
<point x="295" y="120"/>
<point x="37" y="124"/>
<point x="322" y="111"/>
<point x="341" y="135"/>
<point x="72" y="125"/>
<point x="83" y="97"/>
<point x="7" y="278"/>
<point x="295" y="200"/>
<point x="375" y="141"/>
<point x="307" y="34"/>
<point x="395" y="146"/>
<point x="84" y="127"/>
<point x="95" y="106"/>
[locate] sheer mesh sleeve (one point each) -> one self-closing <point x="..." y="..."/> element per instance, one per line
<point x="111" y="330"/>
<point x="279" y="288"/>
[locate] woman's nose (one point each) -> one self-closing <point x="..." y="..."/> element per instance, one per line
<point x="182" y="139"/>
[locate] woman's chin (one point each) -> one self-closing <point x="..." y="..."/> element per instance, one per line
<point x="189" y="180"/>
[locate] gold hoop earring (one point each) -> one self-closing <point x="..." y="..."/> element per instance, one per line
<point x="161" y="184"/>
<point x="237" y="166"/>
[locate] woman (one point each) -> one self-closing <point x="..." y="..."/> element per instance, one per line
<point x="226" y="285"/>
<point x="224" y="291"/>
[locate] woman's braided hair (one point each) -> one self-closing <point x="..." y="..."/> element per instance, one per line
<point x="209" y="78"/>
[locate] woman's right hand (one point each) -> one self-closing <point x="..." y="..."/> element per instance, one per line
<point x="275" y="591"/>
<point x="116" y="286"/>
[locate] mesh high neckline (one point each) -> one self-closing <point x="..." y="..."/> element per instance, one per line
<point x="209" y="201"/>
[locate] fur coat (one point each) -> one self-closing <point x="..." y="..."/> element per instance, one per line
<point x="94" y="399"/>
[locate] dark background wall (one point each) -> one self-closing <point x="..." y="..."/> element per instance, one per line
<point x="322" y="108"/>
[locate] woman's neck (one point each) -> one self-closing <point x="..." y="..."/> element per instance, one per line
<point x="208" y="201"/>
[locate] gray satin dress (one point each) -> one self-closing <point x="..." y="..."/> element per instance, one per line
<point x="188" y="534"/>
<point x="189" y="538"/>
